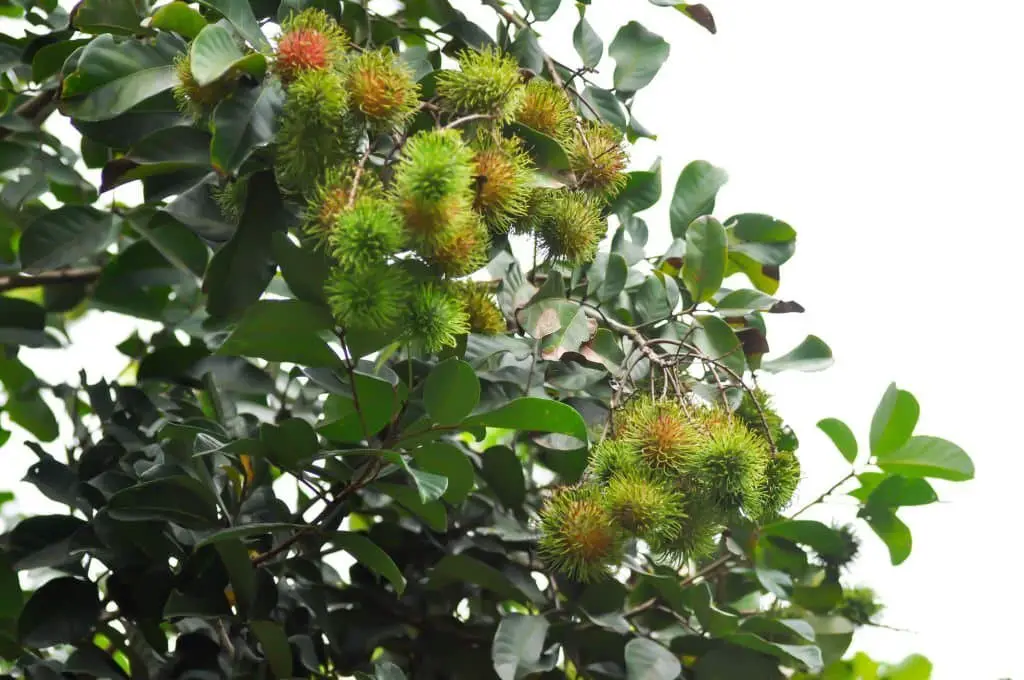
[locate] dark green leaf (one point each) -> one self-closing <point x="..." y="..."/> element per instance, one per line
<point x="732" y="663"/>
<point x="177" y="16"/>
<point x="545" y="150"/>
<point x="606" y="105"/>
<point x="810" y="355"/>
<point x="292" y="443"/>
<point x="718" y="341"/>
<point x="10" y="591"/>
<point x="518" y="648"/>
<point x="535" y="415"/>
<point x="528" y="51"/>
<point x="503" y="474"/>
<point x="615" y="276"/>
<point x="275" y="647"/>
<point x="588" y="43"/>
<point x="924" y="456"/>
<point x="542" y="9"/>
<point x="822" y="538"/>
<point x="704" y="260"/>
<point x="64" y="236"/>
<point x="215" y="52"/>
<point x="433" y="514"/>
<point x="894" y="533"/>
<point x="179" y="499"/>
<point x="442" y="458"/>
<point x="694" y="195"/>
<point x="466" y="569"/>
<point x="429" y="486"/>
<point x="638" y="55"/>
<point x="642" y="190"/>
<point x="245" y="121"/>
<point x="451" y="392"/>
<point x="283" y="330"/>
<point x="895" y="491"/>
<point x="241" y="573"/>
<point x="367" y="553"/>
<point x="49" y="60"/>
<point x="62" y="611"/>
<point x="120" y="17"/>
<point x="651" y="300"/>
<point x="378" y="401"/>
<point x="841" y="435"/>
<point x="246" y="531"/>
<point x="647" y="660"/>
<point x="304" y="269"/>
<point x="22" y="323"/>
<point x="239" y="14"/>
<point x="762" y="238"/>
<point x="894" y="420"/>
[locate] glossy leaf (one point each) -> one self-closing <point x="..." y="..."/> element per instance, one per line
<point x="638" y="55"/>
<point x="545" y="150"/>
<point x="120" y="17"/>
<point x="178" y="499"/>
<point x="694" y="195"/>
<point x="10" y="591"/>
<point x="244" y="122"/>
<point x="542" y="9"/>
<point x="821" y="537"/>
<point x="369" y="554"/>
<point x="535" y="415"/>
<point x="810" y="355"/>
<point x="894" y="533"/>
<point x="718" y="341"/>
<point x="62" y="611"/>
<point x="65" y="236"/>
<point x="841" y="435"/>
<point x="518" y="648"/>
<point x="466" y="568"/>
<point x="503" y="473"/>
<point x="588" y="43"/>
<point x="275" y="647"/>
<point x="304" y="268"/>
<point x="894" y="420"/>
<point x="605" y="105"/>
<point x="179" y="17"/>
<point x="647" y="660"/>
<point x="704" y="260"/>
<point x="925" y="456"/>
<point x="215" y="52"/>
<point x="451" y="391"/>
<point x="239" y="14"/>
<point x="444" y="459"/>
<point x="283" y="330"/>
<point x="642" y="190"/>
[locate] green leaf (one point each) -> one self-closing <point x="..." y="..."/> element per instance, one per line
<point x="10" y="590"/>
<point x="275" y="647"/>
<point x="64" y="236"/>
<point x="291" y="443"/>
<point x="503" y="473"/>
<point x="545" y="150"/>
<point x="120" y="17"/>
<point x="924" y="456"/>
<point x="799" y="655"/>
<point x="894" y="533"/>
<point x="114" y="76"/>
<point x="914" y="667"/>
<point x="241" y="573"/>
<point x="638" y="55"/>
<point x="542" y="9"/>
<point x="694" y="195"/>
<point x="615" y="277"/>
<point x="647" y="660"/>
<point x="179" y="499"/>
<point x="177" y="16"/>
<point x="535" y="415"/>
<point x="63" y="611"/>
<point x="821" y="537"/>
<point x="23" y="323"/>
<point x="243" y="122"/>
<point x="305" y="269"/>
<point x="651" y="299"/>
<point x="762" y="238"/>
<point x="429" y="486"/>
<point x="465" y="569"/>
<point x="51" y="58"/>
<point x="642" y="190"/>
<point x="246" y="531"/>
<point x="810" y="355"/>
<point x="433" y="514"/>
<point x="451" y="392"/>
<point x="744" y="301"/>
<point x="588" y="43"/>
<point x="215" y="52"/>
<point x="606" y="105"/>
<point x="718" y="341"/>
<point x="894" y="491"/>
<point x="704" y="259"/>
<point x="239" y="15"/>
<point x="894" y="420"/>
<point x="442" y="458"/>
<point x="518" y="648"/>
<point x="283" y="330"/>
<point x="841" y="435"/>
<point x="368" y="554"/>
<point x="378" y="401"/>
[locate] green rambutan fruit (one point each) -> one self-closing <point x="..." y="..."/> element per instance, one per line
<point x="860" y="606"/>
<point x="612" y="457"/>
<point x="696" y="538"/>
<point x="433" y="181"/>
<point x="546" y="108"/>
<point x="845" y="553"/>
<point x="727" y="469"/>
<point x="661" y="433"/>
<point x="487" y="82"/>
<point x="503" y="181"/>
<point x="579" y="537"/>
<point x="367" y="233"/>
<point x="310" y="41"/>
<point x="435" y="317"/>
<point x="193" y="99"/>
<point x="315" y="132"/>
<point x="382" y="88"/>
<point x="484" y="315"/>
<point x="460" y="248"/>
<point x="569" y="226"/>
<point x="754" y="404"/>
<point x="646" y="508"/>
<point x="230" y="197"/>
<point x="781" y="477"/>
<point x="331" y="198"/>
<point x="369" y="298"/>
<point x="597" y="159"/>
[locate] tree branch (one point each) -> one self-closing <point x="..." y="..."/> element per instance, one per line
<point x="56" y="277"/>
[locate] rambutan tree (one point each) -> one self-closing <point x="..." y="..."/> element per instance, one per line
<point x="412" y="397"/>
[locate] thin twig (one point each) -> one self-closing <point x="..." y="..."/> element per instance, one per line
<point x="56" y="277"/>
<point x="850" y="475"/>
<point x="358" y="175"/>
<point x="466" y="119"/>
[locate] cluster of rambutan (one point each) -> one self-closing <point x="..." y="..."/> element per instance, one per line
<point x="408" y="192"/>
<point x="673" y="474"/>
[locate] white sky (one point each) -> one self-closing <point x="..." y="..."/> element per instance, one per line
<point x="889" y="136"/>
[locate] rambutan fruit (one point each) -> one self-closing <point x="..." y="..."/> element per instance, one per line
<point x="331" y="197"/>
<point x="546" y="108"/>
<point x="610" y="458"/>
<point x="230" y="197"/>
<point x="315" y="133"/>
<point x="860" y="606"/>
<point x="727" y="468"/>
<point x="487" y="83"/>
<point x="460" y="248"/>
<point x="310" y="41"/>
<point x="756" y="403"/>
<point x="781" y="477"/>
<point x="579" y="537"/>
<point x="367" y="233"/>
<point x="193" y="99"/>
<point x="382" y="88"/>
<point x="433" y="180"/>
<point x="484" y="316"/>
<point x="695" y="539"/>
<point x="369" y="298"/>
<point x="843" y="555"/>
<point x="569" y="226"/>
<point x="435" y="318"/>
<point x="597" y="160"/>
<point x="661" y="433"/>
<point x="503" y="180"/>
<point x="645" y="507"/>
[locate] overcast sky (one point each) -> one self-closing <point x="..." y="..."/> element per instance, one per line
<point x="889" y="135"/>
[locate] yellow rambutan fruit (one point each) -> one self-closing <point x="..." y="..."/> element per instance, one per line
<point x="331" y="197"/>
<point x="660" y="431"/>
<point x="568" y="224"/>
<point x="503" y="180"/>
<point x="546" y="108"/>
<point x="484" y="315"/>
<point x="579" y="537"/>
<point x="598" y="160"/>
<point x="382" y="88"/>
